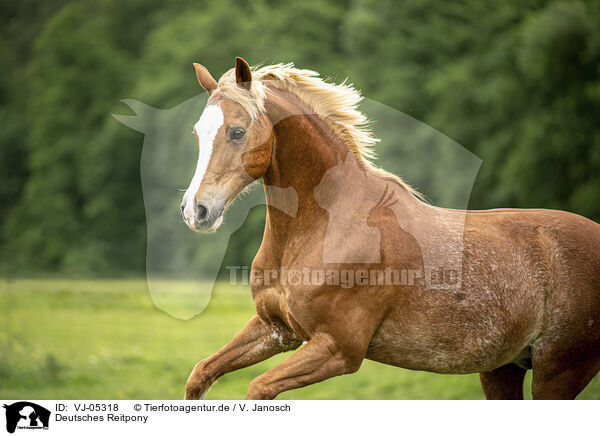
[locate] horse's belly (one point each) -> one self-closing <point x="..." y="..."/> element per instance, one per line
<point x="445" y="349"/>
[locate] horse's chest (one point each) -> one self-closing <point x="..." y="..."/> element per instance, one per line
<point x="272" y="305"/>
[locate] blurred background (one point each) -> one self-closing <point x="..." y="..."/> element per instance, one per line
<point x="516" y="83"/>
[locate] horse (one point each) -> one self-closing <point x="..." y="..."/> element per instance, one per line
<point x="525" y="283"/>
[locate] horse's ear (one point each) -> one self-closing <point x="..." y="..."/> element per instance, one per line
<point x="243" y="75"/>
<point x="205" y="79"/>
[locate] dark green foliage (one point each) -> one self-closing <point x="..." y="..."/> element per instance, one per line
<point x="517" y="83"/>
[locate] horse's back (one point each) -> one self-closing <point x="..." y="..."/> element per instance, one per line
<point x="568" y="244"/>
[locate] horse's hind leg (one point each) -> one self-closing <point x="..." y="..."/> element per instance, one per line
<point x="561" y="372"/>
<point x="503" y="383"/>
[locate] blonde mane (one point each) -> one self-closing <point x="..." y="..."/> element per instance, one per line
<point x="337" y="104"/>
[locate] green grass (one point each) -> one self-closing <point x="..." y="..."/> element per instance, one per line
<point x="104" y="339"/>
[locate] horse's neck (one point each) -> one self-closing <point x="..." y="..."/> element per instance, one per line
<point x="335" y="195"/>
<point x="306" y="149"/>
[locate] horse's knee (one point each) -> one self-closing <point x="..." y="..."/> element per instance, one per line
<point x="349" y="364"/>
<point x="260" y="391"/>
<point x="198" y="383"/>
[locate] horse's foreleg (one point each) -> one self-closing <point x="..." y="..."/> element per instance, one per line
<point x="504" y="383"/>
<point x="256" y="342"/>
<point x="318" y="360"/>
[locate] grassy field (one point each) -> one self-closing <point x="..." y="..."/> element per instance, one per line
<point x="70" y="339"/>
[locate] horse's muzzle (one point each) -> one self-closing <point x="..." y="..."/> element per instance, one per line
<point x="207" y="217"/>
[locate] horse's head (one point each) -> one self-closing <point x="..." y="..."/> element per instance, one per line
<point x="235" y="146"/>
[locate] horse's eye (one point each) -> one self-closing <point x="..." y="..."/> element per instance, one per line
<point x="237" y="133"/>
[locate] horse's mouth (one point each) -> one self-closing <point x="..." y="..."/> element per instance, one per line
<point x="206" y="227"/>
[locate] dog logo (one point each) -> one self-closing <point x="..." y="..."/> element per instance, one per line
<point x="26" y="415"/>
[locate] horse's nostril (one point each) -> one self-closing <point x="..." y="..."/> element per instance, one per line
<point x="201" y="213"/>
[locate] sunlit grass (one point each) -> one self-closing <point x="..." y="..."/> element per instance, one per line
<point x="104" y="339"/>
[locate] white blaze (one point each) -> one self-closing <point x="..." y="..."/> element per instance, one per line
<point x="206" y="129"/>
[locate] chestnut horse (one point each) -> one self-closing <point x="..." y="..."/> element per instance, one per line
<point x="526" y="294"/>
